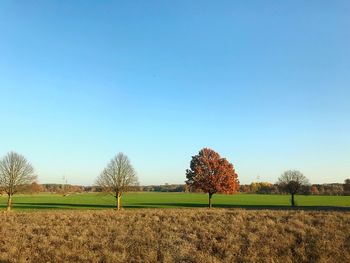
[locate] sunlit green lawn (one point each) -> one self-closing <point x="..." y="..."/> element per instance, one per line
<point x="168" y="200"/>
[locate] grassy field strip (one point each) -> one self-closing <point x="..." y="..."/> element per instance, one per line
<point x="168" y="200"/>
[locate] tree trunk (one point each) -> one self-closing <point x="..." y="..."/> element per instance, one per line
<point x="9" y="202"/>
<point x="293" y="202"/>
<point x="118" y="196"/>
<point x="210" y="195"/>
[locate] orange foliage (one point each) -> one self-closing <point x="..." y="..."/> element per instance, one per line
<point x="314" y="190"/>
<point x="36" y="188"/>
<point x="211" y="173"/>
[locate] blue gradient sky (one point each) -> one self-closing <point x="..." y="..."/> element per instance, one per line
<point x="264" y="83"/>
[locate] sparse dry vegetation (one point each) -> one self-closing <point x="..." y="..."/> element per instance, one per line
<point x="177" y="235"/>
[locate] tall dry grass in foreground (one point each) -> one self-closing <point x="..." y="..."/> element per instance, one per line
<point x="185" y="235"/>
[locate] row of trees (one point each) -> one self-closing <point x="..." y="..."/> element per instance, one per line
<point x="314" y="189"/>
<point x="253" y="188"/>
<point x="212" y="174"/>
<point x="209" y="173"/>
<point x="16" y="172"/>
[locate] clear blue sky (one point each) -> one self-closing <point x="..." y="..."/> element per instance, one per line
<point x="264" y="83"/>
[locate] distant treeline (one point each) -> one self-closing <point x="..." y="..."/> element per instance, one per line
<point x="314" y="189"/>
<point x="253" y="188"/>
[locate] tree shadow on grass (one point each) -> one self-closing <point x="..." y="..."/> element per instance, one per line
<point x="68" y="206"/>
<point x="62" y="206"/>
<point x="248" y="207"/>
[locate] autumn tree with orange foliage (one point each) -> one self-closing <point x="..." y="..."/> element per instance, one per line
<point x="36" y="188"/>
<point x="212" y="174"/>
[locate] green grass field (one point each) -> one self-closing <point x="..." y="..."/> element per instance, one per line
<point x="170" y="200"/>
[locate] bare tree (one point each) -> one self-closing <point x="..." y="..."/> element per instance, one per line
<point x="117" y="177"/>
<point x="292" y="182"/>
<point x="346" y="187"/>
<point x="15" y="171"/>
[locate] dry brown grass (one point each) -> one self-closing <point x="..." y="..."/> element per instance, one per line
<point x="183" y="235"/>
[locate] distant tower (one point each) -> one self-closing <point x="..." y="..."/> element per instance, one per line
<point x="258" y="178"/>
<point x="65" y="181"/>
